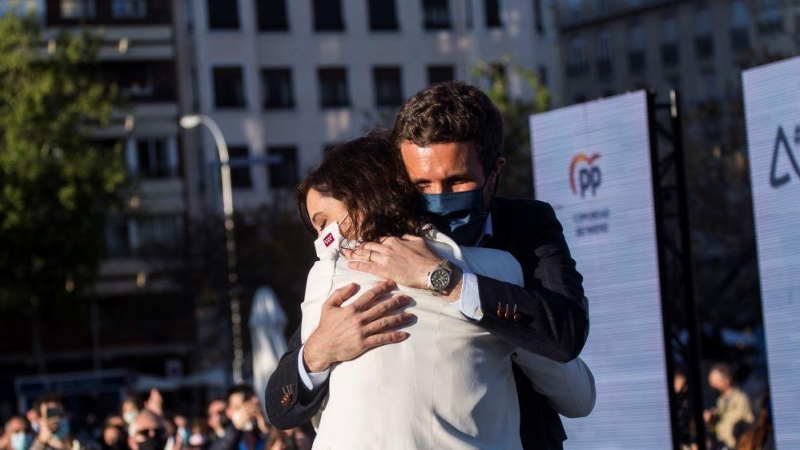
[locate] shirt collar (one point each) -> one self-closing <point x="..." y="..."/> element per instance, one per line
<point x="487" y="233"/>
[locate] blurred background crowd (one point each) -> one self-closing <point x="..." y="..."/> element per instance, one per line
<point x="236" y="422"/>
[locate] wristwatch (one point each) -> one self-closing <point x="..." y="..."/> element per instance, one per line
<point x="439" y="279"/>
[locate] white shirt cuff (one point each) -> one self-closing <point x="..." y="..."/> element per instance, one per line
<point x="310" y="380"/>
<point x="470" y="301"/>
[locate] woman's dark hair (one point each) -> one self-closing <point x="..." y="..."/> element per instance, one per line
<point x="369" y="177"/>
<point x="452" y="111"/>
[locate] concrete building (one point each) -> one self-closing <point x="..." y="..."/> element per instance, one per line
<point x="285" y="79"/>
<point x="700" y="47"/>
<point x="125" y="327"/>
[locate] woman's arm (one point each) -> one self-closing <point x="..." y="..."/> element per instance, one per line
<point x="569" y="387"/>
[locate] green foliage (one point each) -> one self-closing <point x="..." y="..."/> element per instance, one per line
<point x="517" y="175"/>
<point x="55" y="187"/>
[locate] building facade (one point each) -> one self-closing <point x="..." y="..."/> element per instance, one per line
<point x="286" y="79"/>
<point x="699" y="47"/>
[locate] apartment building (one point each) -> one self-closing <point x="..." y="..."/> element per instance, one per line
<point x="286" y="79"/>
<point x="699" y="47"/>
<point x="125" y="326"/>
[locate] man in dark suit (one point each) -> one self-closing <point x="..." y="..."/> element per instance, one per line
<point x="450" y="138"/>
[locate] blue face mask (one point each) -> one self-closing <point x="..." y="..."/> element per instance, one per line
<point x="21" y="441"/>
<point x="63" y="429"/>
<point x="462" y="214"/>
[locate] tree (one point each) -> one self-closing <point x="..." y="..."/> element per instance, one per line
<point x="55" y="186"/>
<point x="518" y="173"/>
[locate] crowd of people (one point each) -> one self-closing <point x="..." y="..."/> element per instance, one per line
<point x="236" y="422"/>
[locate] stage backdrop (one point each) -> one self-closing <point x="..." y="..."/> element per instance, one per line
<point x="772" y="111"/>
<point x="592" y="163"/>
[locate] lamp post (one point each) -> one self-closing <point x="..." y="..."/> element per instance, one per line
<point x="192" y="121"/>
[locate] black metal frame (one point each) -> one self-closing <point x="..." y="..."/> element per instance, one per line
<point x="675" y="252"/>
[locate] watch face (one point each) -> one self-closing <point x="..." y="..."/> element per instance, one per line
<point x="440" y="279"/>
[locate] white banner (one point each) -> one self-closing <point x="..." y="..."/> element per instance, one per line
<point x="592" y="163"/>
<point x="772" y="110"/>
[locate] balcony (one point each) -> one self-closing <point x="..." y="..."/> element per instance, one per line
<point x="636" y="61"/>
<point x="116" y="12"/>
<point x="704" y="46"/>
<point x="593" y="13"/>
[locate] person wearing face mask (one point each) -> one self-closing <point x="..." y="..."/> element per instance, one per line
<point x="148" y="431"/>
<point x="246" y="427"/>
<point x="449" y="137"/>
<point x="54" y="429"/>
<point x="130" y="409"/>
<point x="449" y="384"/>
<point x="15" y="436"/>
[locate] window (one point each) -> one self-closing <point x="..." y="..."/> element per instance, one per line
<point x="283" y="170"/>
<point x="117" y="237"/>
<point x="240" y="167"/>
<point x="388" y="87"/>
<point x="436" y="14"/>
<point x="440" y="74"/>
<point x="152" y="158"/>
<point x="669" y="47"/>
<point x="223" y="14"/>
<point x="129" y="9"/>
<point x="228" y="87"/>
<point x="577" y="64"/>
<point x="636" y="54"/>
<point x="537" y="16"/>
<point x="704" y="38"/>
<point x="155" y="235"/>
<point x="328" y="15"/>
<point x="709" y="84"/>
<point x="492" y="10"/>
<point x="272" y="15"/>
<point x="605" y="64"/>
<point x="740" y="37"/>
<point x="333" y="88"/>
<point x="542" y="75"/>
<point x="469" y="14"/>
<point x="277" y="87"/>
<point x="382" y="15"/>
<point x="770" y="20"/>
<point x="77" y="9"/>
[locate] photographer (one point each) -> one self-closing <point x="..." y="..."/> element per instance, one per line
<point x="246" y="427"/>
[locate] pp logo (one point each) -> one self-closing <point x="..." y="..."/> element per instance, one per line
<point x="782" y="146"/>
<point x="328" y="240"/>
<point x="587" y="173"/>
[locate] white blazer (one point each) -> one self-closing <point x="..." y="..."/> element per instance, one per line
<point x="449" y="385"/>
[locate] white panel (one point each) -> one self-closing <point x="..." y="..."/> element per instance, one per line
<point x="592" y="163"/>
<point x="772" y="110"/>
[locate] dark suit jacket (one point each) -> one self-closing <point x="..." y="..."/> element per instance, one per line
<point x="552" y="320"/>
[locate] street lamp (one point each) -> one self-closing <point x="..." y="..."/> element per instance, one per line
<point x="192" y="121"/>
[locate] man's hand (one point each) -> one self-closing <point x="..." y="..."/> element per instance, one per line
<point x="407" y="260"/>
<point x="344" y="333"/>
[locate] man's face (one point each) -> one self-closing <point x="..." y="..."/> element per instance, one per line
<point x="147" y="426"/>
<point x="216" y="408"/>
<point x="449" y="167"/>
<point x="15" y="425"/>
<point x="235" y="401"/>
<point x="718" y="381"/>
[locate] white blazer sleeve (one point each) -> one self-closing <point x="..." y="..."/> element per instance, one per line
<point x="569" y="387"/>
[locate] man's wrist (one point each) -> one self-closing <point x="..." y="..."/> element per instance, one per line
<point x="314" y="362"/>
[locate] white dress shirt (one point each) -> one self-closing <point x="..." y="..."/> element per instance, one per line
<point x="449" y="385"/>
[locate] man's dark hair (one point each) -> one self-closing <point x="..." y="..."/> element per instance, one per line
<point x="367" y="175"/>
<point x="452" y="111"/>
<point x="49" y="397"/>
<point x="243" y="389"/>
<point x="724" y="369"/>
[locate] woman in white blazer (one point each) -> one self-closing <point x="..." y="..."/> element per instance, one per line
<point x="449" y="384"/>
